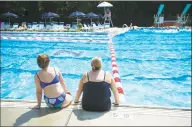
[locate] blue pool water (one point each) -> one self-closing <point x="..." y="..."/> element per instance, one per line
<point x="154" y="66"/>
<point x="72" y="58"/>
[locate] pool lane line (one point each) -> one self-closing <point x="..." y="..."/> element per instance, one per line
<point x="115" y="68"/>
<point x="55" y="39"/>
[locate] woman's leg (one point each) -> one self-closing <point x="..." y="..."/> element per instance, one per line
<point x="67" y="101"/>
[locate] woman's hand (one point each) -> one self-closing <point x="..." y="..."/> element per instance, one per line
<point x="68" y="93"/>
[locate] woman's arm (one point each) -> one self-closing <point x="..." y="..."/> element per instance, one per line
<point x="38" y="91"/>
<point x="114" y="89"/>
<point x="62" y="82"/>
<point x="80" y="88"/>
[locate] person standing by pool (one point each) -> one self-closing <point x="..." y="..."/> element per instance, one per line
<point x="50" y="80"/>
<point x="96" y="86"/>
<point x="131" y="26"/>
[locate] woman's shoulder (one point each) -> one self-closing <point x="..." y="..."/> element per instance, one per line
<point x="36" y="74"/>
<point x="85" y="74"/>
<point x="108" y="77"/>
<point x="84" y="77"/>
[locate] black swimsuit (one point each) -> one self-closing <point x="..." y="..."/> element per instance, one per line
<point x="96" y="96"/>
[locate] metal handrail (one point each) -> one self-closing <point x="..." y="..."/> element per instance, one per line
<point x="125" y="25"/>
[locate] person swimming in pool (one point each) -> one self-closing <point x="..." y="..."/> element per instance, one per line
<point x="50" y="80"/>
<point x="96" y="86"/>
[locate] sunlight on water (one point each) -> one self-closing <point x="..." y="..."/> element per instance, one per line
<point x="155" y="66"/>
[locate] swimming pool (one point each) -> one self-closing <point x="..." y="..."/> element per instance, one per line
<point x="154" y="65"/>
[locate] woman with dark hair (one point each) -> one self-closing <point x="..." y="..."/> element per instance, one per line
<point x="96" y="86"/>
<point x="50" y="80"/>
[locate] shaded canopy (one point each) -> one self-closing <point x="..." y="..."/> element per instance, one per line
<point x="50" y="15"/>
<point x="105" y="4"/>
<point x="10" y="15"/>
<point x="92" y="15"/>
<point x="77" y="14"/>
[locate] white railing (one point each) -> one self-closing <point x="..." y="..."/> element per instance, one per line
<point x="182" y="19"/>
<point x="158" y="19"/>
<point x="125" y="25"/>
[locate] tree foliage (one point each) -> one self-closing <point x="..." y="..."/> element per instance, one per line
<point x="123" y="12"/>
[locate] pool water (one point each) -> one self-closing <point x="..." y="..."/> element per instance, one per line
<point x="19" y="65"/>
<point x="154" y="65"/>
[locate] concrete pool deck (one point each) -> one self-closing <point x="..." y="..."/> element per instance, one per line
<point x="19" y="113"/>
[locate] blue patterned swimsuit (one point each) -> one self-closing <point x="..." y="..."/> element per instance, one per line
<point x="57" y="101"/>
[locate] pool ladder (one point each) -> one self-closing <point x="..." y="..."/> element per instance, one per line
<point x="125" y="25"/>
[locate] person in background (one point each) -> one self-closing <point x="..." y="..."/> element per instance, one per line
<point x="131" y="26"/>
<point x="50" y="81"/>
<point x="107" y="14"/>
<point x="23" y="26"/>
<point x="96" y="85"/>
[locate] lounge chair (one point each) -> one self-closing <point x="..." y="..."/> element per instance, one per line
<point x="5" y="26"/>
<point x="61" y="26"/>
<point x="55" y="26"/>
<point x="73" y="27"/>
<point x="100" y="26"/>
<point x="29" y="26"/>
<point x="94" y="26"/>
<point x="34" y="26"/>
<point x="85" y="28"/>
<point x="68" y="26"/>
<point x="15" y="26"/>
<point x="48" y="26"/>
<point x="41" y="26"/>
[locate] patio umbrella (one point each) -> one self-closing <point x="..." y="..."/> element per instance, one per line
<point x="77" y="15"/>
<point x="10" y="15"/>
<point x="91" y="16"/>
<point x="49" y="15"/>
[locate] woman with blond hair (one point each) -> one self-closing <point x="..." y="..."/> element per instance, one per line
<point x="96" y="85"/>
<point x="50" y="80"/>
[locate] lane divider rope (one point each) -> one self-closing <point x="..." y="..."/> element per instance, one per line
<point x="57" y="39"/>
<point x="115" y="67"/>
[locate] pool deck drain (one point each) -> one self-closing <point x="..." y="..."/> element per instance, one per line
<point x="18" y="113"/>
